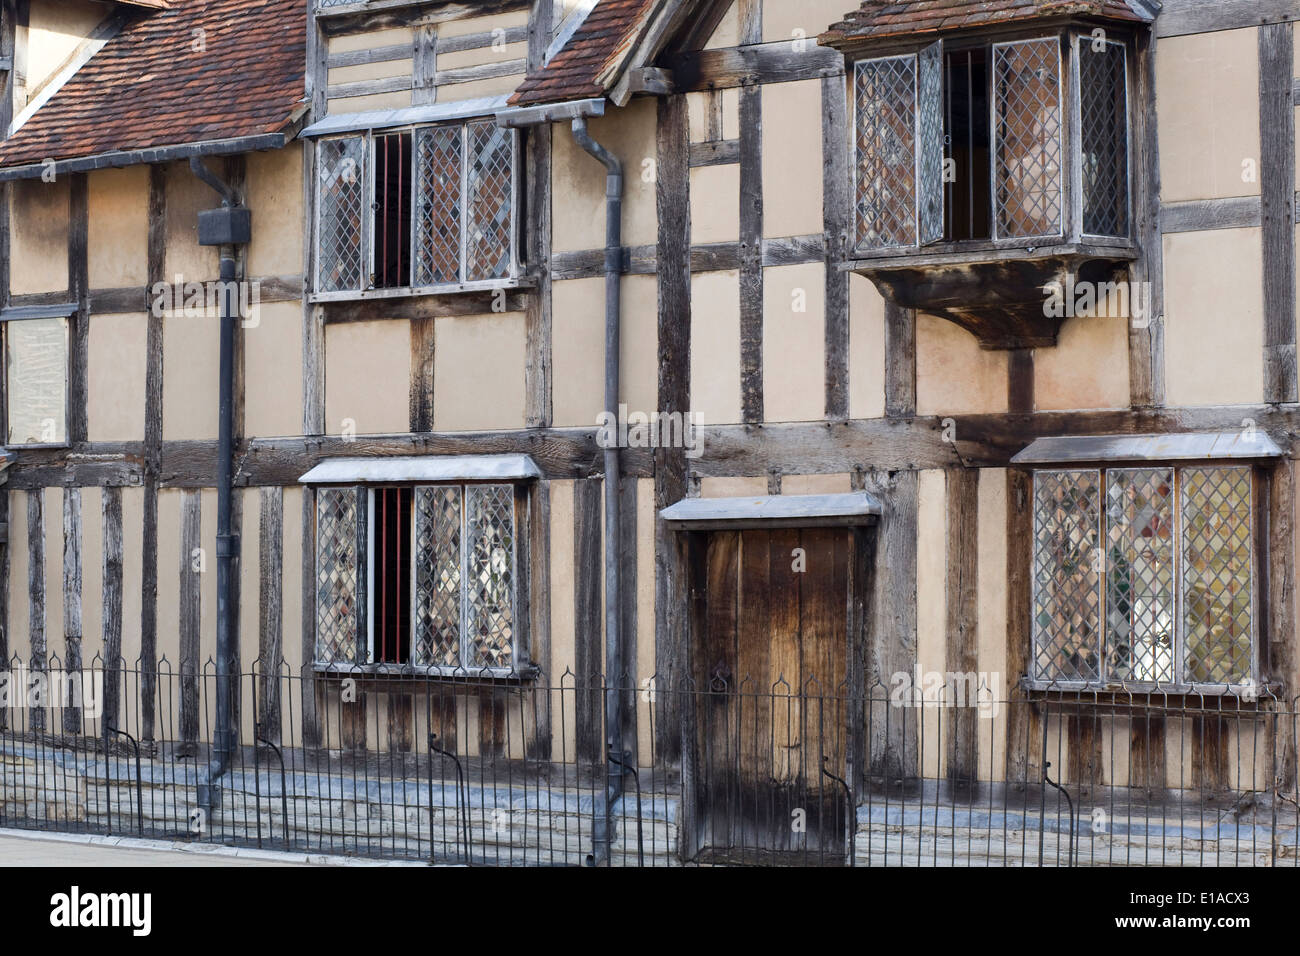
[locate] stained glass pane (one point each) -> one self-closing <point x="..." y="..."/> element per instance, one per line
<point x="1140" y="574"/>
<point x="490" y="565"/>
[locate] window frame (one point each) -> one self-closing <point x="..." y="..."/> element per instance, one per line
<point x="1259" y="558"/>
<point x="364" y="663"/>
<point x="66" y="316"/>
<point x="514" y="277"/>
<point x="1069" y="134"/>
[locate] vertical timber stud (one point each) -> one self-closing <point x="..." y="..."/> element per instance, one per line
<point x="672" y="200"/>
<point x="191" y="667"/>
<point x="537" y="317"/>
<point x="628" y="601"/>
<point x="1023" y="726"/>
<point x="539" y="614"/>
<point x="8" y="21"/>
<point x="72" y="600"/>
<point x="36" y="591"/>
<point x="1020" y="380"/>
<point x="836" y="223"/>
<point x="961" y="650"/>
<point x="1277" y="199"/>
<point x="153" y="414"/>
<point x="587" y="618"/>
<point x="236" y="175"/>
<point x="900" y="361"/>
<point x="892" y="739"/>
<point x="111" y="620"/>
<point x="1282" y="657"/>
<point x="424" y="79"/>
<point x="270" y="638"/>
<point x="422" y="353"/>
<point x="1146" y="335"/>
<point x="79" y="289"/>
<point x="751" y="224"/>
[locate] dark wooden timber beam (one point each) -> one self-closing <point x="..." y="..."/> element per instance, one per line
<point x="1181" y="17"/>
<point x="1278" y="208"/>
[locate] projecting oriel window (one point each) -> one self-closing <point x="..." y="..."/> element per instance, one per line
<point x="421" y="575"/>
<point x="430" y="208"/>
<point x="975" y="140"/>
<point x="36" y="380"/>
<point x="1144" y="575"/>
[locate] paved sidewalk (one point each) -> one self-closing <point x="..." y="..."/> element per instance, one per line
<point x="21" y="848"/>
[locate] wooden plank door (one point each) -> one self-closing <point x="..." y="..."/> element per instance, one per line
<point x="772" y="705"/>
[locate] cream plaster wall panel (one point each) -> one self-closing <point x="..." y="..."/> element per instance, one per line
<point x="1214" y="312"/>
<point x="478" y="377"/>
<point x="367" y="377"/>
<point x="132" y="572"/>
<point x="1208" y="112"/>
<point x="562" y="611"/>
<point x="715" y="204"/>
<point x="373" y="101"/>
<point x="578" y="348"/>
<point x="953" y="374"/>
<point x="169" y="571"/>
<point x="459" y="59"/>
<point x="715" y="347"/>
<point x="469" y="25"/>
<point x="293" y="544"/>
<point x="118" y="239"/>
<point x="360" y="72"/>
<point x="697" y="116"/>
<point x="817" y="484"/>
<point x="727" y="32"/>
<point x="273" y="371"/>
<point x="732" y="487"/>
<point x="792" y="158"/>
<point x="731" y="114"/>
<point x="393" y="36"/>
<point x="274" y="193"/>
<point x="1088" y="368"/>
<point x="54" y="32"/>
<point x="187" y="196"/>
<point x="92" y="574"/>
<point x="783" y="20"/>
<point x="794" y="343"/>
<point x="579" y="181"/>
<point x="991" y="627"/>
<point x="645" y="612"/>
<point x="20" y="635"/>
<point x="931" y="602"/>
<point x="190" y="377"/>
<point x="116" y="373"/>
<point x="866" y="349"/>
<point x="38" y="254"/>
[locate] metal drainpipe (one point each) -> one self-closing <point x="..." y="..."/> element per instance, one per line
<point x="223" y="731"/>
<point x="601" y="831"/>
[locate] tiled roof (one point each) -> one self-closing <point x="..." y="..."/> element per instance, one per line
<point x="575" y="71"/>
<point x="195" y="71"/>
<point x="886" y="18"/>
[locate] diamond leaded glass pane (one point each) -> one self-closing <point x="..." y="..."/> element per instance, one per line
<point x="437" y="576"/>
<point x="885" y="151"/>
<point x="1140" y="574"/>
<point x="341" y="174"/>
<point x="438" y="164"/>
<point x="930" y="145"/>
<point x="1217" y="574"/>
<point x="491" y="201"/>
<point x="1027" y="129"/>
<point x="1067" y="575"/>
<point x="336" y="575"/>
<point x="1104" y="128"/>
<point x="490" y="569"/>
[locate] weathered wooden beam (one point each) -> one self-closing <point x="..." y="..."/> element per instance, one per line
<point x="79" y="327"/>
<point x="961" y="647"/>
<point x="778" y="62"/>
<point x="751" y="253"/>
<point x="72" y="631"/>
<point x="36" y="593"/>
<point x="422" y="370"/>
<point x="424" y="68"/>
<point x="1020" y="380"/>
<point x="628" y="607"/>
<point x="1146" y="338"/>
<point x="156" y="256"/>
<point x="672" y="200"/>
<point x="538" y="746"/>
<point x="1281" y="664"/>
<point x="1278" y="207"/>
<point x="722" y="152"/>
<point x="111" y="616"/>
<point x="537" y="214"/>
<point x="368" y="16"/>
<point x="1237" y="212"/>
<point x="270" y="638"/>
<point x="588" y="642"/>
<point x="705" y="257"/>
<point x="1024" y="728"/>
<point x="900" y="361"/>
<point x="1181" y="17"/>
<point x="837" y="222"/>
<point x="381" y="308"/>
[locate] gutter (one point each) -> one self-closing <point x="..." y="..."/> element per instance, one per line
<point x="228" y="227"/>
<point x="156" y="154"/>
